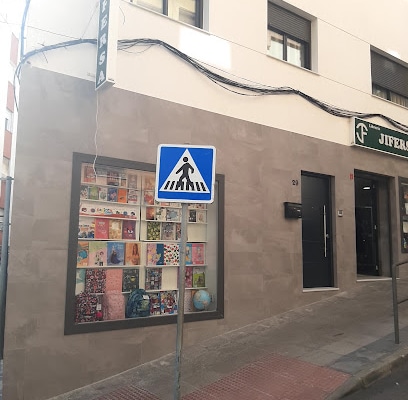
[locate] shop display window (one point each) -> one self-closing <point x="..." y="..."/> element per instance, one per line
<point x="124" y="250"/>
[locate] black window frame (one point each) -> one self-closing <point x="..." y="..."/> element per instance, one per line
<point x="198" y="14"/>
<point x="69" y="325"/>
<point x="389" y="75"/>
<point x="290" y="26"/>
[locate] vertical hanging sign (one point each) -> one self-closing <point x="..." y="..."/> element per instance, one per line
<point x="107" y="43"/>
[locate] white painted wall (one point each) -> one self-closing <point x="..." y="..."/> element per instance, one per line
<point x="236" y="44"/>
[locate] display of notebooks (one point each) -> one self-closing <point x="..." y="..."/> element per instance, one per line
<point x="168" y="301"/>
<point x="132" y="181"/>
<point x="198" y="253"/>
<point x="97" y="254"/>
<point x="116" y="253"/>
<point x="132" y="254"/>
<point x="100" y="174"/>
<point x="192" y="216"/>
<point x="80" y="281"/>
<point x="83" y="254"/>
<point x="133" y="196"/>
<point x="129" y="230"/>
<point x="153" y="230"/>
<point x="168" y="231"/>
<point x="115" y="229"/>
<point x="198" y="277"/>
<point x="84" y="192"/>
<point x="178" y="232"/>
<point x="148" y="198"/>
<point x="88" y="174"/>
<point x="112" y="177"/>
<point x="153" y="278"/>
<point x="149" y="181"/>
<point x="130" y="280"/>
<point x="113" y="194"/>
<point x="103" y="193"/>
<point x="93" y="193"/>
<point x="101" y="228"/>
<point x="171" y="254"/>
<point x="189" y="254"/>
<point x="114" y="280"/>
<point x="155" y="254"/>
<point x="95" y="280"/>
<point x="86" y="228"/>
<point x="188" y="301"/>
<point x="189" y="277"/>
<point x="155" y="305"/>
<point x="113" y="306"/>
<point x="172" y="214"/>
<point x="150" y="213"/>
<point x="201" y="217"/>
<point x="122" y="195"/>
<point x="85" y="307"/>
<point x="160" y="214"/>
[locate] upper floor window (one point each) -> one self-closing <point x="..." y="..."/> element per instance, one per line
<point x="288" y="36"/>
<point x="389" y="79"/>
<point x="187" y="11"/>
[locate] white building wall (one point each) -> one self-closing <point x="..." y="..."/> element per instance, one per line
<point x="236" y="44"/>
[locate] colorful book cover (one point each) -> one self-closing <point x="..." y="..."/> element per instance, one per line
<point x="178" y="231"/>
<point x="97" y="254"/>
<point x="123" y="178"/>
<point x="85" y="307"/>
<point x="150" y="213"/>
<point x="130" y="279"/>
<point x="112" y="177"/>
<point x="88" y="174"/>
<point x="160" y="214"/>
<point x="129" y="230"/>
<point x="153" y="230"/>
<point x="155" y="304"/>
<point x="101" y="228"/>
<point x="189" y="254"/>
<point x="122" y="195"/>
<point x="168" y="231"/>
<point x="149" y="181"/>
<point x="86" y="228"/>
<point x="201" y="216"/>
<point x="100" y="174"/>
<point x="192" y="216"/>
<point x="103" y="193"/>
<point x="114" y="280"/>
<point x="95" y="280"/>
<point x="133" y="253"/>
<point x="83" y="254"/>
<point x="84" y="193"/>
<point x="93" y="193"/>
<point x="188" y="301"/>
<point x="80" y="281"/>
<point x="116" y="253"/>
<point x="171" y="254"/>
<point x="148" y="198"/>
<point x="198" y="253"/>
<point x="172" y="214"/>
<point x="168" y="300"/>
<point x="132" y="181"/>
<point x="115" y="229"/>
<point x="113" y="194"/>
<point x="113" y="306"/>
<point x="189" y="277"/>
<point x="153" y="278"/>
<point x="198" y="277"/>
<point x="155" y="254"/>
<point x="133" y="196"/>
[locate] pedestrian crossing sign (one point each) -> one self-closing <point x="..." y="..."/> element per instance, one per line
<point x="185" y="173"/>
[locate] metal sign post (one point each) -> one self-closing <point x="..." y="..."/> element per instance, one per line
<point x="185" y="174"/>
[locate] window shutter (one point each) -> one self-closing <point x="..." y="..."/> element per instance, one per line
<point x="289" y="23"/>
<point x="389" y="74"/>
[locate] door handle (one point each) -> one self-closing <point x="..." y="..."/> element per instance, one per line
<point x="325" y="234"/>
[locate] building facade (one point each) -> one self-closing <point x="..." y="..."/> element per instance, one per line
<point x="306" y="106"/>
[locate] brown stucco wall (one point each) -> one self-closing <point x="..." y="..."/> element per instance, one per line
<point x="263" y="253"/>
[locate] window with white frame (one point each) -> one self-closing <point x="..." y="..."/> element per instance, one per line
<point x="389" y="79"/>
<point x="8" y="123"/>
<point x="288" y="36"/>
<point x="187" y="11"/>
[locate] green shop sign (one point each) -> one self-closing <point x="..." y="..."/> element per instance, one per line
<point x="375" y="137"/>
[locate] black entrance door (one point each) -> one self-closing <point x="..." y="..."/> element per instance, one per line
<point x="316" y="231"/>
<point x="366" y="226"/>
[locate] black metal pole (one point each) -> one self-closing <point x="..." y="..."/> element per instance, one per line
<point x="4" y="262"/>
<point x="395" y="303"/>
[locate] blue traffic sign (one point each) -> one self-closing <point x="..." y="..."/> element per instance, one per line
<point x="185" y="173"/>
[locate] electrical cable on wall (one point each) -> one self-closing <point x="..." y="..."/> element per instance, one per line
<point x="225" y="83"/>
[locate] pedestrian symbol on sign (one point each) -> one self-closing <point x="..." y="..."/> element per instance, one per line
<point x="185" y="177"/>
